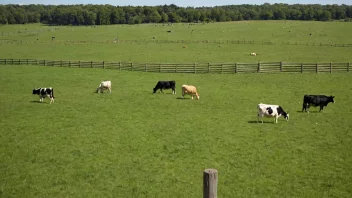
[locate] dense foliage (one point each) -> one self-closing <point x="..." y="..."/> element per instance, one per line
<point x="108" y="14"/>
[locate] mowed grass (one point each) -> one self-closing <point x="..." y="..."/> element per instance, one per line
<point x="257" y="31"/>
<point x="133" y="143"/>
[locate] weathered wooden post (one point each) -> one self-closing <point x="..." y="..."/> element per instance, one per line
<point x="159" y="68"/>
<point x="301" y="67"/>
<point x="208" y="67"/>
<point x="348" y="67"/>
<point x="27" y="61"/>
<point x="330" y="67"/>
<point x="131" y="66"/>
<point x="235" y="67"/>
<point x="210" y="183"/>
<point x="316" y="67"/>
<point x="91" y="64"/>
<point x="258" y="70"/>
<point x="79" y="64"/>
<point x="281" y="66"/>
<point x="61" y="63"/>
<point x="69" y="63"/>
<point x="103" y="64"/>
<point x="222" y="70"/>
<point x="19" y="61"/>
<point x="176" y="68"/>
<point x="145" y="67"/>
<point x="119" y="65"/>
<point x="5" y="61"/>
<point x="44" y="62"/>
<point x="12" y="62"/>
<point x="194" y="68"/>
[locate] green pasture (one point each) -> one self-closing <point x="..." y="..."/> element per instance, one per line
<point x="133" y="143"/>
<point x="256" y="31"/>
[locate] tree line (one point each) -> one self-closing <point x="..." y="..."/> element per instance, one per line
<point x="107" y="14"/>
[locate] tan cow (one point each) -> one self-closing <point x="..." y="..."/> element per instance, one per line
<point x="253" y="54"/>
<point x="190" y="90"/>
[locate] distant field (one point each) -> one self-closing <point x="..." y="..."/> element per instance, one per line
<point x="257" y="31"/>
<point x="133" y="143"/>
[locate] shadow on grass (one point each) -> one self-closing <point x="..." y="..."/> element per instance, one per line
<point x="180" y="98"/>
<point x="264" y="122"/>
<point x="307" y="112"/>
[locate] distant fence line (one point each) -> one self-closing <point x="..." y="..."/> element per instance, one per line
<point x="216" y="68"/>
<point x="146" y="41"/>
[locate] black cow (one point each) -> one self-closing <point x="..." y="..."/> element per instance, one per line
<point x="316" y="100"/>
<point x="165" y="85"/>
<point x="44" y="92"/>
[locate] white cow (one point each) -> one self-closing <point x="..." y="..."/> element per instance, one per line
<point x="253" y="54"/>
<point x="190" y="90"/>
<point x="104" y="85"/>
<point x="269" y="110"/>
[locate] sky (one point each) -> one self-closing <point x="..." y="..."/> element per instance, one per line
<point x="181" y="3"/>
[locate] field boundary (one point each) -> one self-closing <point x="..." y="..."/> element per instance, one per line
<point x="157" y="41"/>
<point x="214" y="68"/>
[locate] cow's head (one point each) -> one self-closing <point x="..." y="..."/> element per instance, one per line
<point x="331" y="99"/>
<point x="287" y="116"/>
<point x="35" y="91"/>
<point x="154" y="90"/>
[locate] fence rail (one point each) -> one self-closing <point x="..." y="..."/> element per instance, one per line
<point x="215" y="68"/>
<point x="184" y="42"/>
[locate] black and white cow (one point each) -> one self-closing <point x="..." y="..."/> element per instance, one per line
<point x="269" y="110"/>
<point x="316" y="100"/>
<point x="165" y="85"/>
<point x="45" y="92"/>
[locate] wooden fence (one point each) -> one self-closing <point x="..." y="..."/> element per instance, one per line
<point x="157" y="41"/>
<point x="215" y="68"/>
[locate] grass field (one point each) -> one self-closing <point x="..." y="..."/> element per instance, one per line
<point x="293" y="31"/>
<point x="133" y="143"/>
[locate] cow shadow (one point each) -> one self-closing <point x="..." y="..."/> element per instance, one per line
<point x="35" y="101"/>
<point x="307" y="112"/>
<point x="180" y="98"/>
<point x="256" y="122"/>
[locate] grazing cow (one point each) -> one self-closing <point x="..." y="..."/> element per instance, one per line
<point x="165" y="85"/>
<point x="45" y="92"/>
<point x="104" y="85"/>
<point x="253" y="54"/>
<point x="269" y="110"/>
<point x="190" y="90"/>
<point x="316" y="100"/>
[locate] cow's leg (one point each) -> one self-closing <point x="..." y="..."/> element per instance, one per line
<point x="321" y="108"/>
<point x="110" y="89"/>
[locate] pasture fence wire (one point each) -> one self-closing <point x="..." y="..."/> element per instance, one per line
<point x="157" y="41"/>
<point x="196" y="68"/>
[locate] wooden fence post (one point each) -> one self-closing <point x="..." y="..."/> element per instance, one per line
<point x="258" y="69"/>
<point x="103" y="64"/>
<point x="91" y="64"/>
<point x="176" y="68"/>
<point x="36" y="61"/>
<point x="281" y="66"/>
<point x="222" y="70"/>
<point x="44" y="62"/>
<point x="79" y="64"/>
<point x="12" y="62"/>
<point x="145" y="67"/>
<point x="208" y="67"/>
<point x="316" y="68"/>
<point x="131" y="66"/>
<point x="61" y="63"/>
<point x="301" y="67"/>
<point x="119" y="65"/>
<point x="348" y="67"/>
<point x="194" y="67"/>
<point x="69" y="63"/>
<point x="19" y="61"/>
<point x="159" y="68"/>
<point x="27" y="61"/>
<point x="5" y="61"/>
<point x="210" y="183"/>
<point x="330" y="67"/>
<point x="235" y="67"/>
